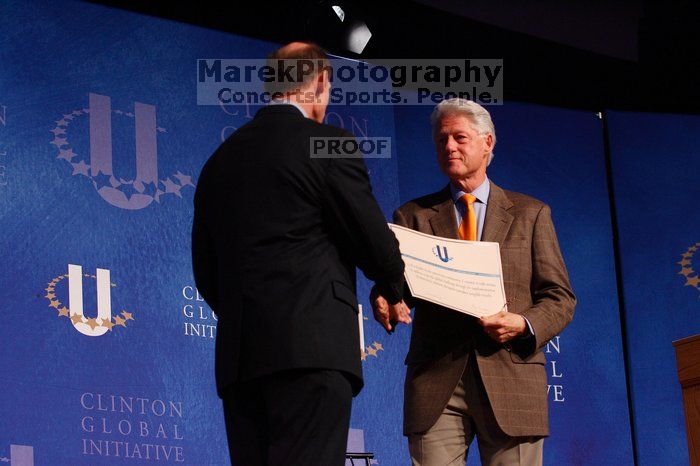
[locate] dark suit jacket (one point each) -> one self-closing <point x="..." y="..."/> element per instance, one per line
<point x="536" y="285"/>
<point x="275" y="242"/>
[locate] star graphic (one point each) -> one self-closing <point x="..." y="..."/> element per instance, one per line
<point x="683" y="262"/>
<point x="68" y="116"/>
<point x="92" y="323"/>
<point x="56" y="131"/>
<point x="77" y="112"/>
<point x="138" y="186"/>
<point x="76" y="318"/>
<point x="686" y="255"/>
<point x="119" y="321"/>
<point x="58" y="142"/>
<point x="80" y="168"/>
<point x="363" y="356"/>
<point x="86" y="110"/>
<point x="127" y="315"/>
<point x="371" y="351"/>
<point x="100" y="180"/>
<point x="48" y="289"/>
<point x="50" y="296"/>
<point x="62" y="123"/>
<point x="66" y="155"/>
<point x="685" y="271"/>
<point x="149" y="188"/>
<point x="54" y="304"/>
<point x="129" y="114"/>
<point x="695" y="281"/>
<point x="161" y="130"/>
<point x="183" y="179"/>
<point x="63" y="312"/>
<point x="107" y="324"/>
<point x="128" y="190"/>
<point x="377" y="345"/>
<point x="118" y="112"/>
<point x="693" y="248"/>
<point x="171" y="187"/>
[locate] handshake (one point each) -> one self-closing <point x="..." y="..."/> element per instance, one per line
<point x="389" y="315"/>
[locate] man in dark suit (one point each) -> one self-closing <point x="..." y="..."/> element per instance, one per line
<point x="483" y="377"/>
<point x="277" y="235"/>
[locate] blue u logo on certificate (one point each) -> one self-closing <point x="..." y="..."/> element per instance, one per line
<point x="441" y="253"/>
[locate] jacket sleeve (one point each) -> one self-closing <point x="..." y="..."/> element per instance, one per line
<point x="355" y="213"/>
<point x="204" y="263"/>
<point x="553" y="300"/>
<point x="400" y="219"/>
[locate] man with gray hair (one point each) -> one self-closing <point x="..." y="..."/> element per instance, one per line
<point x="485" y="377"/>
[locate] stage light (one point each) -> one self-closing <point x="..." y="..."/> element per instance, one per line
<point x="339" y="26"/>
<point x="339" y="11"/>
<point x="358" y="37"/>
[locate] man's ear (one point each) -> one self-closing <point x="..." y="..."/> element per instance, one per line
<point x="488" y="139"/>
<point x="321" y="82"/>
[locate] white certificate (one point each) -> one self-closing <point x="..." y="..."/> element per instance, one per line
<point x="462" y="275"/>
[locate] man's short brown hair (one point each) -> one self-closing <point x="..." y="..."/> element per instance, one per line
<point x="302" y="64"/>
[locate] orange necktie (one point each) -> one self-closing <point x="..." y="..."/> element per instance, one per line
<point x="467" y="229"/>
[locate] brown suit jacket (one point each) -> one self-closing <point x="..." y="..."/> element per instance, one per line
<point x="537" y="286"/>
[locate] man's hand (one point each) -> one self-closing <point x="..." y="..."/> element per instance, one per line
<point x="386" y="313"/>
<point x="504" y="326"/>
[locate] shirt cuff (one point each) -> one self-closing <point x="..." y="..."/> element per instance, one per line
<point x="530" y="332"/>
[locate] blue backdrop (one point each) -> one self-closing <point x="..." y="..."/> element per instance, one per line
<point x="655" y="168"/>
<point x="106" y="349"/>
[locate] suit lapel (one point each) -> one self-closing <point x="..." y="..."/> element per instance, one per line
<point x="498" y="220"/>
<point x="444" y="222"/>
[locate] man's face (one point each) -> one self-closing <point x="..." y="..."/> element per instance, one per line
<point x="461" y="151"/>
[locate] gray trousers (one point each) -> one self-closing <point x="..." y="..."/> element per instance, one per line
<point x="469" y="414"/>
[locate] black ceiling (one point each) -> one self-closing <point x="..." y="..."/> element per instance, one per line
<point x="535" y="70"/>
